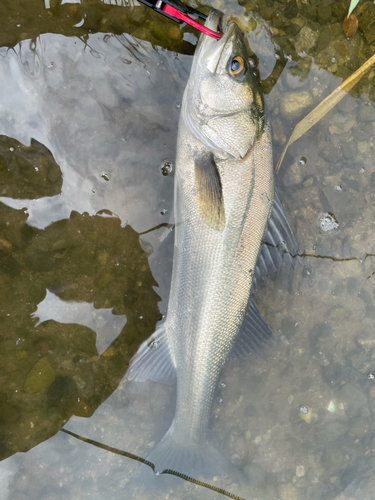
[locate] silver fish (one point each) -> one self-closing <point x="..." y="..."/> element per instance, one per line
<point x="224" y="197"/>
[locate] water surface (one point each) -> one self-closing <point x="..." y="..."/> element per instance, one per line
<point x="88" y="119"/>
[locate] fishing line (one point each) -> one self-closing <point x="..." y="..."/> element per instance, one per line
<point x="152" y="466"/>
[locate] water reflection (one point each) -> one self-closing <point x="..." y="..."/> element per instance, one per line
<point x="110" y="126"/>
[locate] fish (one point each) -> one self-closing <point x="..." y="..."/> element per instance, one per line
<point x="230" y="231"/>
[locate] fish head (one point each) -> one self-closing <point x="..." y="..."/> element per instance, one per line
<point x="223" y="106"/>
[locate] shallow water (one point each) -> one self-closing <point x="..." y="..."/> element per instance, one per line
<point x="86" y="125"/>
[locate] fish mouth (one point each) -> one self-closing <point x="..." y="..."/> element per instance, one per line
<point x="213" y="22"/>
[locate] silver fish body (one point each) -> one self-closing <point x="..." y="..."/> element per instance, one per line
<point x="224" y="190"/>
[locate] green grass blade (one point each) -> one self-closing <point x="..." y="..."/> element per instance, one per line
<point x="352" y="6"/>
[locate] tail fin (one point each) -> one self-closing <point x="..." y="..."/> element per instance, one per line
<point x="200" y="461"/>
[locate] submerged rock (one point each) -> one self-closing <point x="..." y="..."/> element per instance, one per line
<point x="305" y="40"/>
<point x="40" y="377"/>
<point x="294" y="104"/>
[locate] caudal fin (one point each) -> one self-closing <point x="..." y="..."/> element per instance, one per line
<point x="200" y="461"/>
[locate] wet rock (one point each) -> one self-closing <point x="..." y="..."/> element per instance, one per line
<point x="296" y="24"/>
<point x="306" y="384"/>
<point x="358" y="427"/>
<point x="300" y="471"/>
<point x="349" y="149"/>
<point x="40" y="261"/>
<point x="293" y="175"/>
<point x="291" y="9"/>
<point x="364" y="148"/>
<point x="138" y="14"/>
<point x="278" y="131"/>
<point x="350" y="183"/>
<point x="324" y="39"/>
<point x="288" y="492"/>
<point x="289" y="327"/>
<point x="293" y="105"/>
<point x="341" y="124"/>
<point x="257" y="476"/>
<point x="366" y="113"/>
<point x="60" y="390"/>
<point x="175" y="33"/>
<point x="5" y="246"/>
<point x="339" y="10"/>
<point x="353" y="396"/>
<point x="370" y="311"/>
<point x="305" y="413"/>
<point x="332" y="431"/>
<point x="347" y="104"/>
<point x="308" y="182"/>
<point x="40" y="377"/>
<point x="295" y="76"/>
<point x="333" y="460"/>
<point x="324" y="13"/>
<point x="305" y="40"/>
<point x="333" y="374"/>
<point x="366" y="22"/>
<point x="319" y="331"/>
<point x="365" y="296"/>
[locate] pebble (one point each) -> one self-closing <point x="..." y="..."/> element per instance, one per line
<point x="300" y="471"/>
<point x="366" y="114"/>
<point x="5" y="246"/>
<point x="353" y="396"/>
<point x="293" y="105"/>
<point x="40" y="377"/>
<point x="175" y="33"/>
<point x="293" y="175"/>
<point x="288" y="492"/>
<point x="341" y="124"/>
<point x="364" y="147"/>
<point x="305" y="40"/>
<point x="330" y="432"/>
<point x="306" y="414"/>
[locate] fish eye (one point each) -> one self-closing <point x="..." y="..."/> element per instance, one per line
<point x="237" y="66"/>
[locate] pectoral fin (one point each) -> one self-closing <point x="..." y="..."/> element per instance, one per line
<point x="209" y="192"/>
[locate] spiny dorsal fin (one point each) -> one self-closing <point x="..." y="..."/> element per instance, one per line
<point x="209" y="192"/>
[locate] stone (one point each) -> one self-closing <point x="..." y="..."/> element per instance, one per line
<point x="293" y="175"/>
<point x="341" y="124"/>
<point x="332" y="431"/>
<point x="40" y="376"/>
<point x="305" y="40"/>
<point x="300" y="471"/>
<point x="353" y="396"/>
<point x="366" y="114"/>
<point x="364" y="148"/>
<point x="5" y="246"/>
<point x="293" y="105"/>
<point x="288" y="492"/>
<point x="324" y="13"/>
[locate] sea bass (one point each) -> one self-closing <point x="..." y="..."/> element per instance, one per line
<point x="228" y="233"/>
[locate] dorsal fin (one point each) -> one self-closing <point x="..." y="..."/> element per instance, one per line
<point x="209" y="191"/>
<point x="255" y="336"/>
<point x="279" y="247"/>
